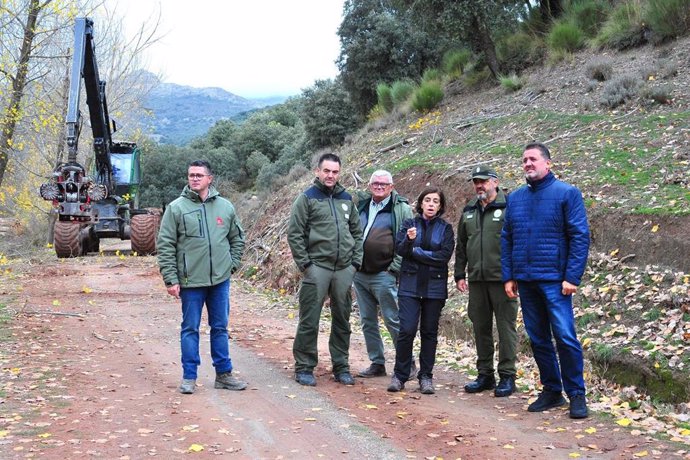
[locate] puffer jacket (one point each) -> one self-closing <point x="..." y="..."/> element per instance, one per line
<point x="200" y="243"/>
<point x="424" y="268"/>
<point x="545" y="234"/>
<point x="479" y="241"/>
<point x="324" y="229"/>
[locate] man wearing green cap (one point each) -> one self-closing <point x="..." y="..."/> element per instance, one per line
<point x="478" y="250"/>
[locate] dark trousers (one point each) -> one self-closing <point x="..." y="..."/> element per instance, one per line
<point x="489" y="299"/>
<point x="414" y="311"/>
<point x="316" y="285"/>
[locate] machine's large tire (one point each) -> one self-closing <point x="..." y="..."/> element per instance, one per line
<point x="68" y="242"/>
<point x="143" y="232"/>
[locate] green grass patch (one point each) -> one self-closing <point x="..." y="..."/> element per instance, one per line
<point x="585" y="319"/>
<point x="5" y="318"/>
<point x="421" y="161"/>
<point x="624" y="167"/>
<point x="652" y="314"/>
<point x="603" y="352"/>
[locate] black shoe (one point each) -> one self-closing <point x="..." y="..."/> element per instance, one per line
<point x="505" y="387"/>
<point x="483" y="382"/>
<point x="305" y="378"/>
<point x="578" y="406"/>
<point x="426" y="386"/>
<point x="395" y="385"/>
<point x="547" y="400"/>
<point x="375" y="370"/>
<point x="345" y="378"/>
<point x="413" y="371"/>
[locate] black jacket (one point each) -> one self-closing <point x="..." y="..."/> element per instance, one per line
<point x="424" y="268"/>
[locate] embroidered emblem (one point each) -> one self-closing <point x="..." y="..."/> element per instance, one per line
<point x="497" y="213"/>
<point x="219" y="221"/>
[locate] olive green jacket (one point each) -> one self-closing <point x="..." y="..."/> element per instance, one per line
<point x="324" y="229"/>
<point x="199" y="243"/>
<point x="478" y="246"/>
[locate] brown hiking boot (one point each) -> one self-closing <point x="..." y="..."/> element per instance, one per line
<point x="227" y="381"/>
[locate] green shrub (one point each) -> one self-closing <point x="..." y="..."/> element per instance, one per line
<point x="427" y="96"/>
<point x="565" y="36"/>
<point x="533" y="22"/>
<point x="511" y="83"/>
<point x="669" y="69"/>
<point x="476" y="77"/>
<point x="624" y="28"/>
<point x="385" y="97"/>
<point x="401" y="91"/>
<point x="455" y="62"/>
<point x="599" y="69"/>
<point x="431" y="75"/>
<point x="519" y="51"/>
<point x="620" y="89"/>
<point x="659" y="94"/>
<point x="556" y="56"/>
<point x="668" y="18"/>
<point x="588" y="15"/>
<point x="376" y="112"/>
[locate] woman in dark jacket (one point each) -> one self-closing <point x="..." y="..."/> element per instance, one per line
<point x="425" y="243"/>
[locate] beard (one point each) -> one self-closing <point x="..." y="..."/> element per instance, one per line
<point x="482" y="196"/>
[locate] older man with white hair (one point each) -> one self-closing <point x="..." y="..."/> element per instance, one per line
<point x="381" y="212"/>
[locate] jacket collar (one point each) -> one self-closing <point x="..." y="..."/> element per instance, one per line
<point x="192" y="195"/>
<point x="541" y="183"/>
<point x="337" y="189"/>
<point x="499" y="202"/>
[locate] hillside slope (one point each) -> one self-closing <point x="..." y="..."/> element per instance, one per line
<point x="632" y="164"/>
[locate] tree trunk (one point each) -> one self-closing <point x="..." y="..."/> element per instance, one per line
<point x="13" y="111"/>
<point x="550" y="9"/>
<point x="486" y="44"/>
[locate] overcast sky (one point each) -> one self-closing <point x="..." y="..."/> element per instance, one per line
<point x="252" y="48"/>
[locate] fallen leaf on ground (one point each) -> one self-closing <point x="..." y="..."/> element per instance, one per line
<point x="196" y="448"/>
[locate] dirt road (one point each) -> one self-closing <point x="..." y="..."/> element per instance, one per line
<point x="90" y="367"/>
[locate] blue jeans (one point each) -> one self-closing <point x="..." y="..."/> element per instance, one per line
<point x="548" y="313"/>
<point x="217" y="300"/>
<point x="374" y="291"/>
<point x="425" y="313"/>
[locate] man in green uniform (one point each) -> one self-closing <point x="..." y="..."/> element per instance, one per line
<point x="479" y="250"/>
<point x="325" y="238"/>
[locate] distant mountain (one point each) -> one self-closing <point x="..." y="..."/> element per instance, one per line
<point x="181" y="113"/>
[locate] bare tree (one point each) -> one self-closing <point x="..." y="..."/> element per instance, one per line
<point x="12" y="113"/>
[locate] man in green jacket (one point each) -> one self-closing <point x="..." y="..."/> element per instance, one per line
<point x="199" y="246"/>
<point x="479" y="249"/>
<point x="326" y="243"/>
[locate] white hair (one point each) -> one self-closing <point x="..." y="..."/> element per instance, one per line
<point x="381" y="173"/>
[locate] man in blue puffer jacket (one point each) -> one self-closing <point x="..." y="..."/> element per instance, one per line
<point x="544" y="246"/>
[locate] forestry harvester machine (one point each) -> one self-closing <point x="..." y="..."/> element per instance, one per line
<point x="102" y="204"/>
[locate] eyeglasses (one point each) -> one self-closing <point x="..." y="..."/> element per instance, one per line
<point x="379" y="184"/>
<point x="197" y="176"/>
